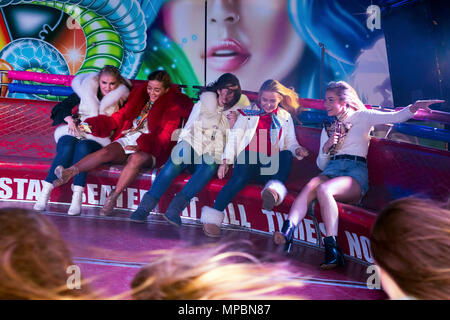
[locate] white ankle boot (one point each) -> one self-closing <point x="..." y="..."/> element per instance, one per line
<point x="77" y="200"/>
<point x="43" y="198"/>
<point x="273" y="194"/>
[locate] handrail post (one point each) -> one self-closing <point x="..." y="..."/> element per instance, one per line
<point x="322" y="64"/>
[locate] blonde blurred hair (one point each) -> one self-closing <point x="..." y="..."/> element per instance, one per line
<point x="411" y="241"/>
<point x="212" y="272"/>
<point x="346" y="93"/>
<point x="290" y="98"/>
<point x="34" y="259"/>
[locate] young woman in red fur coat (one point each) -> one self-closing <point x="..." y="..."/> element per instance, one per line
<point x="141" y="131"/>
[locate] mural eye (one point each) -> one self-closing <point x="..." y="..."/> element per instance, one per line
<point x="41" y="22"/>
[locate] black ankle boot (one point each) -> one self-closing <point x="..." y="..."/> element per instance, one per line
<point x="286" y="232"/>
<point x="333" y="254"/>
<point x="147" y="204"/>
<point x="179" y="202"/>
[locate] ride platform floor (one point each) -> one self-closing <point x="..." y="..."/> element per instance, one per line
<point x="107" y="251"/>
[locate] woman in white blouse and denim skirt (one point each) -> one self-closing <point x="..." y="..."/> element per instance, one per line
<point x="342" y="158"/>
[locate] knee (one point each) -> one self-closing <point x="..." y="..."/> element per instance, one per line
<point x="238" y="181"/>
<point x="138" y="159"/>
<point x="82" y="148"/>
<point x="66" y="144"/>
<point x="67" y="139"/>
<point x="105" y="154"/>
<point x="323" y="191"/>
<point x="211" y="170"/>
<point x="286" y="155"/>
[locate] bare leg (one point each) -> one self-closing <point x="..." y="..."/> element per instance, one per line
<point x="135" y="163"/>
<point x="345" y="189"/>
<point x="113" y="153"/>
<point x="299" y="208"/>
<point x="306" y="196"/>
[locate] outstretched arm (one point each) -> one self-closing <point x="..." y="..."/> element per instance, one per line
<point x="378" y="117"/>
<point x="423" y="104"/>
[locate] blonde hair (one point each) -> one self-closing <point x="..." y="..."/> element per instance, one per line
<point x="34" y="258"/>
<point x="211" y="272"/>
<point x="346" y="93"/>
<point x="115" y="72"/>
<point x="290" y="97"/>
<point x="411" y="241"/>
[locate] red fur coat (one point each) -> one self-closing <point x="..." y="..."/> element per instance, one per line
<point x="164" y="118"/>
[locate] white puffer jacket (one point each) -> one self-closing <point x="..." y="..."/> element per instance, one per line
<point x="208" y="120"/>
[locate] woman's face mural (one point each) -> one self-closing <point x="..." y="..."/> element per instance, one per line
<point x="253" y="39"/>
<point x="198" y="40"/>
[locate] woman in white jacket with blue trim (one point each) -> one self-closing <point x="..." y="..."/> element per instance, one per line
<point x="261" y="145"/>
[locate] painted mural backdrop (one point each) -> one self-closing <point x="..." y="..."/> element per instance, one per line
<point x="197" y="40"/>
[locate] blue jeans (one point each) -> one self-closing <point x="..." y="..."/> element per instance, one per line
<point x="70" y="150"/>
<point x="252" y="166"/>
<point x="202" y="168"/>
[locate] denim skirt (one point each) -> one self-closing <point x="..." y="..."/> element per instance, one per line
<point x="351" y="168"/>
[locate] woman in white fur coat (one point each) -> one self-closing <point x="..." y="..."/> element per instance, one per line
<point x="199" y="149"/>
<point x="261" y="147"/>
<point x="94" y="93"/>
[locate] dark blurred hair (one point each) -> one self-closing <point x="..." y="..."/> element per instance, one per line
<point x="411" y="241"/>
<point x="161" y="76"/>
<point x="224" y="81"/>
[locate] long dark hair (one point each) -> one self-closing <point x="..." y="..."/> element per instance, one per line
<point x="224" y="81"/>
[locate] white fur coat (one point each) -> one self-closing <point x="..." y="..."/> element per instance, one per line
<point x="86" y="87"/>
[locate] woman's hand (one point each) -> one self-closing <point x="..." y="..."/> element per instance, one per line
<point x="84" y="127"/>
<point x="301" y="152"/>
<point x="333" y="140"/>
<point x="232" y="117"/>
<point x="423" y="104"/>
<point x="73" y="130"/>
<point x="132" y="148"/>
<point x="222" y="171"/>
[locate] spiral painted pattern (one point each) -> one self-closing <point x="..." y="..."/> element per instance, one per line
<point x="34" y="54"/>
<point x="115" y="30"/>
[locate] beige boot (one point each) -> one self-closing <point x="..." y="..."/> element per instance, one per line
<point x="77" y="200"/>
<point x="43" y="198"/>
<point x="273" y="194"/>
<point x="109" y="205"/>
<point x="212" y="221"/>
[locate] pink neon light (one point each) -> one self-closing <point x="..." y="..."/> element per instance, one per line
<point x="65" y="80"/>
